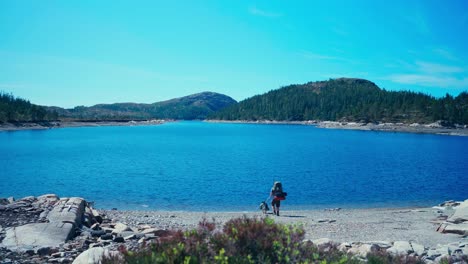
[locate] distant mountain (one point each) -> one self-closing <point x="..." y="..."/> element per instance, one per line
<point x="196" y="106"/>
<point x="14" y="109"/>
<point x="347" y="99"/>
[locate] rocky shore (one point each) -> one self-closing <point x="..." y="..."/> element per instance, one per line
<point x="438" y="127"/>
<point x="49" y="229"/>
<point x="63" y="124"/>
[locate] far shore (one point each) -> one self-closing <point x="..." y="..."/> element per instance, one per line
<point x="63" y="124"/>
<point x="433" y="128"/>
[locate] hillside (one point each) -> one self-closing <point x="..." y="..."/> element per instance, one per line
<point x="196" y="106"/>
<point x="347" y="99"/>
<point x="13" y="109"/>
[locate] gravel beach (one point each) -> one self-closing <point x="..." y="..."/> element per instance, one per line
<point x="343" y="225"/>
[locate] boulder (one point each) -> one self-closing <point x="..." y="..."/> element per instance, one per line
<point x="64" y="217"/>
<point x="4" y="201"/>
<point x="345" y="246"/>
<point x="68" y="210"/>
<point x="363" y="249"/>
<point x="119" y="228"/>
<point x="323" y="243"/>
<point x="418" y="249"/>
<point x="461" y="229"/>
<point x="94" y="255"/>
<point x="37" y="235"/>
<point x="400" y="248"/>
<point x="461" y="213"/>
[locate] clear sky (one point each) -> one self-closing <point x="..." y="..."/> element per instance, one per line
<point x="69" y="53"/>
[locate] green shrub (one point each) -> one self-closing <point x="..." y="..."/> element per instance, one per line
<point x="242" y="240"/>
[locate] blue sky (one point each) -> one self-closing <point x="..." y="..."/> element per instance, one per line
<point x="70" y="53"/>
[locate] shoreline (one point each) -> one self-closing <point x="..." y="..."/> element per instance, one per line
<point x="20" y="126"/>
<point x="418" y="224"/>
<point x="434" y="128"/>
<point x="44" y="228"/>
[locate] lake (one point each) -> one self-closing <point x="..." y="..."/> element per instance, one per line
<point x="231" y="167"/>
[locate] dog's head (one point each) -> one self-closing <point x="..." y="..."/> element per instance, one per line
<point x="263" y="205"/>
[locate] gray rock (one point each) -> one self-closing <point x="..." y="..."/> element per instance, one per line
<point x="400" y="248"/>
<point x="106" y="237"/>
<point x="67" y="210"/>
<point x="4" y="201"/>
<point x="97" y="233"/>
<point x="461" y="228"/>
<point x="63" y="218"/>
<point x="37" y="235"/>
<point x="418" y="249"/>
<point x="363" y="250"/>
<point x="94" y="255"/>
<point x="43" y="251"/>
<point x="119" y="228"/>
<point x="119" y="239"/>
<point x="345" y="246"/>
<point x="322" y="243"/>
<point x="11" y="200"/>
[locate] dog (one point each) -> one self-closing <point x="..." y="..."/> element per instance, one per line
<point x="264" y="207"/>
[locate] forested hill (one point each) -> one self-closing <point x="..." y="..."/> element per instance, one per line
<point x="196" y="106"/>
<point x="13" y="109"/>
<point x="347" y="99"/>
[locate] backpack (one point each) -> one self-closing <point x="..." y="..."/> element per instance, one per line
<point x="278" y="191"/>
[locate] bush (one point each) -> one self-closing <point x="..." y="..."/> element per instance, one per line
<point x="241" y="240"/>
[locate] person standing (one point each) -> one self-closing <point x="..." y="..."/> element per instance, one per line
<point x="278" y="195"/>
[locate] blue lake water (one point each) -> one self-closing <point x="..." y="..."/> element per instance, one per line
<point x="209" y="166"/>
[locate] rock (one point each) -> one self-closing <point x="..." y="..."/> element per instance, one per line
<point x="133" y="236"/>
<point x="344" y="246"/>
<point x="4" y="201"/>
<point x="432" y="254"/>
<point x="119" y="228"/>
<point x="95" y="226"/>
<point x="64" y="217"/>
<point x="418" y="249"/>
<point x="97" y="233"/>
<point x="363" y="250"/>
<point x="43" y="251"/>
<point x="28" y="199"/>
<point x="461" y="229"/>
<point x="94" y="255"/>
<point x="400" y="248"/>
<point x="322" y="243"/>
<point x="461" y="213"/>
<point x="11" y="200"/>
<point x="106" y="237"/>
<point x="149" y="231"/>
<point x="450" y="203"/>
<point x="126" y="233"/>
<point x="119" y="239"/>
<point x="68" y="210"/>
<point x="47" y="199"/>
<point x="37" y="235"/>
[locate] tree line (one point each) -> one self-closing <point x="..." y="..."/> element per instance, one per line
<point x="14" y="109"/>
<point x="347" y="99"/>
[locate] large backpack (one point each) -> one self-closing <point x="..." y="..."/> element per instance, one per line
<point x="278" y="191"/>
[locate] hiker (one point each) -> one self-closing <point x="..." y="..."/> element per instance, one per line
<point x="278" y="195"/>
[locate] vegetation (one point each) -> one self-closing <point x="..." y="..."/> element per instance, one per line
<point x="347" y="99"/>
<point x="196" y="106"/>
<point x="13" y="109"/>
<point x="244" y="240"/>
